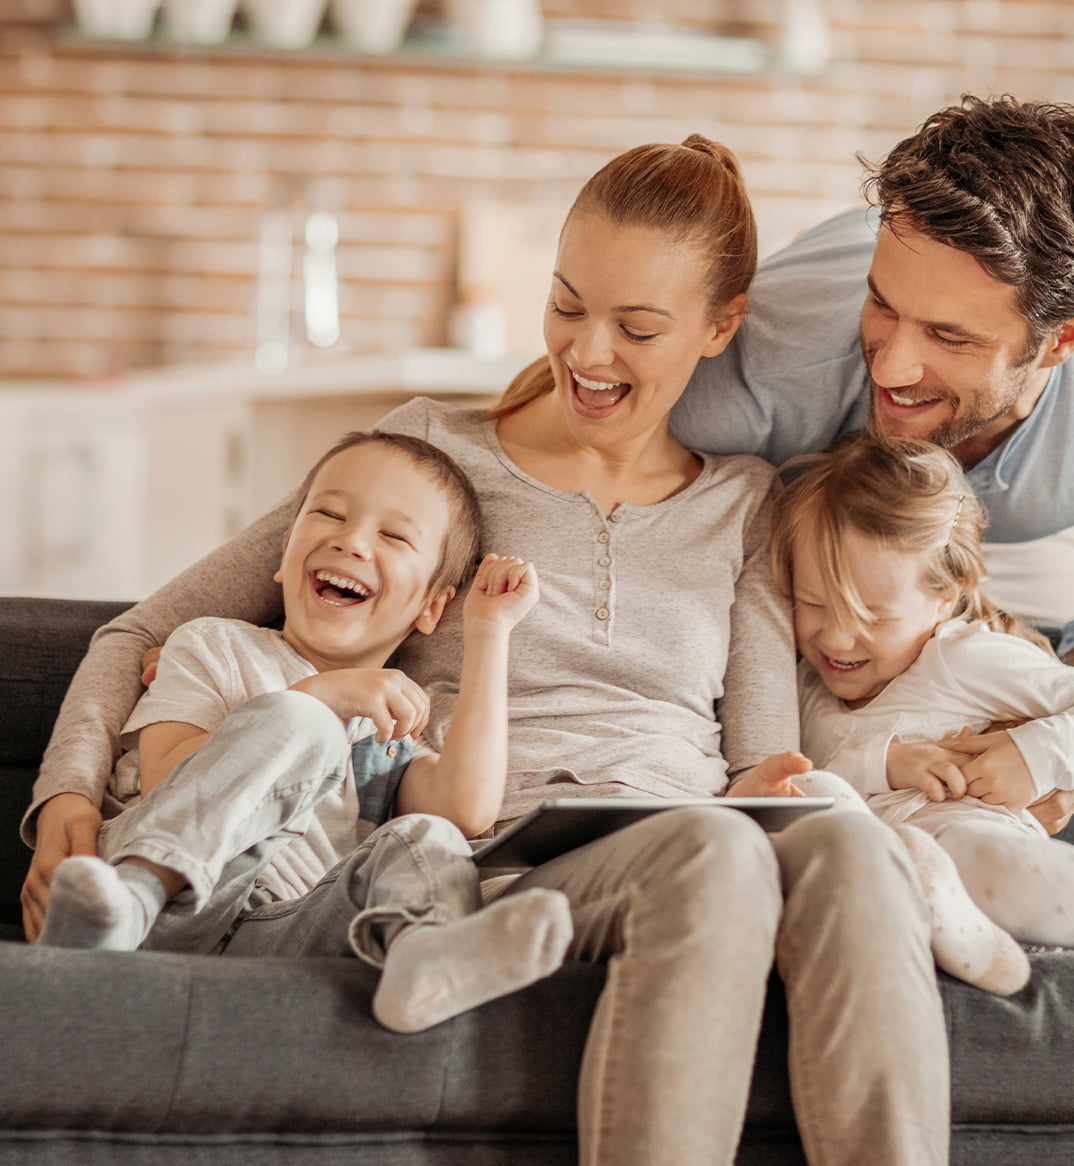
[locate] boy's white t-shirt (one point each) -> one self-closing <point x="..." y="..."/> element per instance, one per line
<point x="207" y="669"/>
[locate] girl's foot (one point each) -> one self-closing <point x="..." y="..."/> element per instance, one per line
<point x="965" y="942"/>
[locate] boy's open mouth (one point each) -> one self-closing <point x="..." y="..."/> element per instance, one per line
<point x="339" y="590"/>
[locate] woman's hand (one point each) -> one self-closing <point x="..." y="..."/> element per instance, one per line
<point x="67" y="824"/>
<point x="149" y="666"/>
<point x="772" y="778"/>
<point x="930" y="766"/>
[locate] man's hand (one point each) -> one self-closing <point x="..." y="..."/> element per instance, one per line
<point x="995" y="771"/>
<point x="1054" y="810"/>
<point x="149" y="666"/>
<point x="390" y="699"/>
<point x="928" y="766"/>
<point x="503" y="591"/>
<point x="66" y="824"/>
<point x="773" y="777"/>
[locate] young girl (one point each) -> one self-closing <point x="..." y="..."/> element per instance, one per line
<point x="879" y="545"/>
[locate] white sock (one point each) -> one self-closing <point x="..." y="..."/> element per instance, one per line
<point x="434" y="971"/>
<point x="965" y="942"/>
<point x="93" y="904"/>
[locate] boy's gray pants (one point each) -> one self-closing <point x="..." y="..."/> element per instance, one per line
<point x="224" y="812"/>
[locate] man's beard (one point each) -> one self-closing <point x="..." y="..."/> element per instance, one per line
<point x="968" y="422"/>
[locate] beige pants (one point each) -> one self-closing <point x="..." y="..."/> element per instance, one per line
<point x="689" y="908"/>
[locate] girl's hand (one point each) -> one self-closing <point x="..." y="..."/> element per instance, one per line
<point x="772" y="777"/>
<point x="995" y="770"/>
<point x="930" y="766"/>
<point x="503" y="591"/>
<point x="390" y="699"/>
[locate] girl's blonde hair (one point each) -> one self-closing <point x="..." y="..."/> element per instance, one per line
<point x="909" y="495"/>
<point x="690" y="192"/>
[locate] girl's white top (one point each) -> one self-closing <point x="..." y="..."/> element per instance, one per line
<point x="966" y="675"/>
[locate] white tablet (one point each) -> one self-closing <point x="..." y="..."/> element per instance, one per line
<point x="561" y="824"/>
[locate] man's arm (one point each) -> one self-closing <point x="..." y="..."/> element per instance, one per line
<point x="801" y="328"/>
<point x="1034" y="694"/>
<point x="1055" y="811"/>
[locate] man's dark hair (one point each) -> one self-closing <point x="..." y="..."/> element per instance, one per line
<point x="995" y="179"/>
<point x="458" y="556"/>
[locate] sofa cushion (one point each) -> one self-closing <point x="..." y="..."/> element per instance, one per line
<point x="237" y="1048"/>
<point x="195" y="1044"/>
<point x="1012" y="1058"/>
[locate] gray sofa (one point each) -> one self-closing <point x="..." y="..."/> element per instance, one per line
<point x="159" y="1059"/>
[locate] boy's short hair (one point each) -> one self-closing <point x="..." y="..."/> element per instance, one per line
<point x="462" y="541"/>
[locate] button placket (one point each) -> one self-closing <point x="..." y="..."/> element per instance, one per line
<point x="602" y="580"/>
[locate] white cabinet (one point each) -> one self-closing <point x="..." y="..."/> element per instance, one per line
<point x="109" y="492"/>
<point x="72" y="497"/>
<point x="106" y="494"/>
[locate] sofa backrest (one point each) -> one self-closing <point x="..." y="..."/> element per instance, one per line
<point x="41" y="644"/>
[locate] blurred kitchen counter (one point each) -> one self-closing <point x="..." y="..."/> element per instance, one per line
<point x="110" y="488"/>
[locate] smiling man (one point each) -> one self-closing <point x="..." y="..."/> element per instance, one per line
<point x="945" y="312"/>
<point x="949" y="354"/>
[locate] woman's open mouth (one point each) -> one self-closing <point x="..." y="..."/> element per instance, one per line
<point x="598" y="398"/>
<point x="339" y="590"/>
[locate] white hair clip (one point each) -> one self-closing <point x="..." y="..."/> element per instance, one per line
<point x="954" y="521"/>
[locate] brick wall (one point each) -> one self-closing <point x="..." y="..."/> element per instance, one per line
<point x="133" y="180"/>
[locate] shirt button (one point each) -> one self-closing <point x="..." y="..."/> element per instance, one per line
<point x="614" y="517"/>
<point x="604" y="561"/>
<point x="603" y="537"/>
<point x="603" y="613"/>
<point x="392" y="750"/>
<point x="605" y="584"/>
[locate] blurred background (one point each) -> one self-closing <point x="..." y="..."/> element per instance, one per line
<point x="232" y="229"/>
